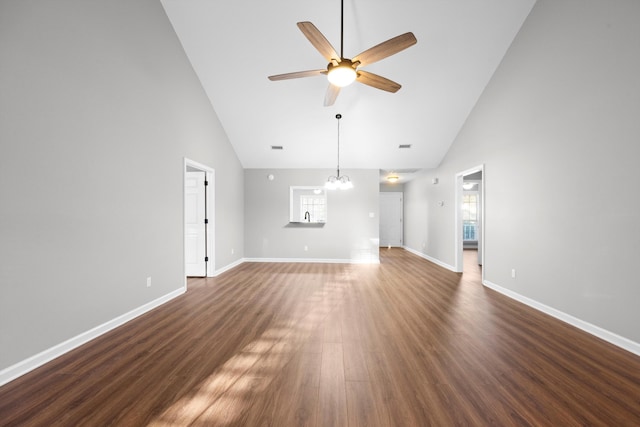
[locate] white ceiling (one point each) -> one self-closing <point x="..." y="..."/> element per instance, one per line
<point x="234" y="45"/>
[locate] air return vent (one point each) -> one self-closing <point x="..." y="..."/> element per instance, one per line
<point x="277" y="147"/>
<point x="404" y="146"/>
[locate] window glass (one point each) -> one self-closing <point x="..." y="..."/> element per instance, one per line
<point x="470" y="217"/>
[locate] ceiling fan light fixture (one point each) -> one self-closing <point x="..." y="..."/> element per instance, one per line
<point x="341" y="75"/>
<point x="342" y="71"/>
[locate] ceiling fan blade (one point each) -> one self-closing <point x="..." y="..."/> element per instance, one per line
<point x="318" y="41"/>
<point x="377" y="81"/>
<point x="331" y="95"/>
<point x="297" y="75"/>
<point x="385" y="49"/>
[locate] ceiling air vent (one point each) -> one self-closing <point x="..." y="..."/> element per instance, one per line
<point x="277" y="147"/>
<point x="404" y="146"/>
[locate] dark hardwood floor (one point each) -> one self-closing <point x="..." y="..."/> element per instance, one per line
<point x="403" y="343"/>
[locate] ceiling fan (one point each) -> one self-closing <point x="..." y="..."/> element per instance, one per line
<point x="343" y="71"/>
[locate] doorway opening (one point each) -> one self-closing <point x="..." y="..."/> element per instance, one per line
<point x="469" y="216"/>
<point x="391" y="217"/>
<point x="198" y="220"/>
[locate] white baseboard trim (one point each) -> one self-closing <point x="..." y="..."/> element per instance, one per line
<point x="608" y="336"/>
<point x="428" y="258"/>
<point x="33" y="362"/>
<point x="314" y="260"/>
<point x="228" y="267"/>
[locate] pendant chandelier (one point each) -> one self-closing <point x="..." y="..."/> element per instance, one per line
<point x="337" y="182"/>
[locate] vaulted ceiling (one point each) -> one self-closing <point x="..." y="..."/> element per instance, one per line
<point x="234" y="45"/>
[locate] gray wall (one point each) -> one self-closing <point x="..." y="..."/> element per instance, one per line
<point x="98" y="107"/>
<point x="349" y="234"/>
<point x="386" y="187"/>
<point x="562" y="107"/>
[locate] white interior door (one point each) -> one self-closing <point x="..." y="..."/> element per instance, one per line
<point x="195" y="241"/>
<point x="391" y="212"/>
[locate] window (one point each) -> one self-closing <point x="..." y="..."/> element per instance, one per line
<point x="470" y="216"/>
<point x="315" y="206"/>
<point x="307" y="204"/>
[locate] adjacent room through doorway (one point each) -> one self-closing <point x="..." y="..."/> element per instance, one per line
<point x="198" y="221"/>
<point x="469" y="216"/>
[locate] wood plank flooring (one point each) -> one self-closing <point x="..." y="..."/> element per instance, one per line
<point x="403" y="343"/>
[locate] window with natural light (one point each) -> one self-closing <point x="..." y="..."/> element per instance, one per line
<point x="470" y="217"/>
<point x="315" y="206"/>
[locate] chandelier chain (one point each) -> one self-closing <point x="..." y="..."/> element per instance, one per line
<point x="338" y="167"/>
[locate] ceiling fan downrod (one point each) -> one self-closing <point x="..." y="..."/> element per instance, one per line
<point x="341" y="30"/>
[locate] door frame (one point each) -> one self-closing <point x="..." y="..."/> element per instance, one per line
<point x="459" y="244"/>
<point x="210" y="207"/>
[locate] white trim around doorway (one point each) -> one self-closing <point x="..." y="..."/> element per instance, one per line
<point x="210" y="176"/>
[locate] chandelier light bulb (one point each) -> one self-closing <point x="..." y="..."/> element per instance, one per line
<point x="332" y="183"/>
<point x="345" y="183"/>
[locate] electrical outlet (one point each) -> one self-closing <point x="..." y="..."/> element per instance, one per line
<point x="306" y="248"/>
<point x="513" y="273"/>
<point x="233" y="251"/>
<point x="148" y="282"/>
